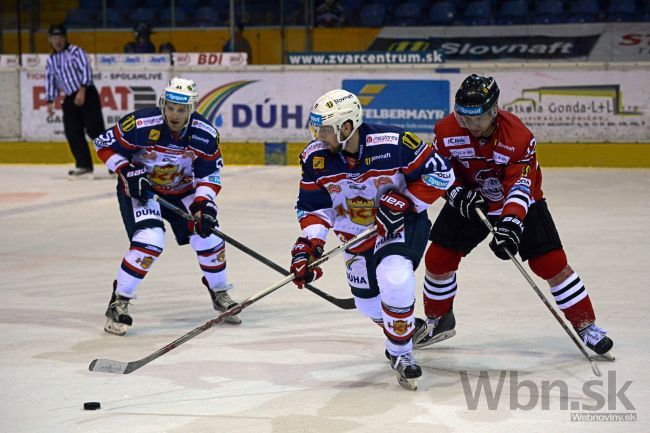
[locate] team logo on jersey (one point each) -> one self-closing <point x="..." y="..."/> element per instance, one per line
<point x="318" y="163"/>
<point x="154" y="135"/>
<point x="166" y="175"/>
<point x="150" y="156"/>
<point x="400" y="327"/>
<point x="128" y="124"/>
<point x="360" y="210"/>
<point x="491" y="187"/>
<point x="411" y="140"/>
<point x="525" y="171"/>
<point x="145" y="262"/>
<point x="382" y="138"/>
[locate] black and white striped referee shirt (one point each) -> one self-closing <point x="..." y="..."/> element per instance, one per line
<point x="67" y="70"/>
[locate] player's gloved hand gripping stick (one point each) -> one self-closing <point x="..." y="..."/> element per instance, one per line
<point x="122" y="367"/>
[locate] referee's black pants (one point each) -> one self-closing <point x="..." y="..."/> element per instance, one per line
<point x="77" y="121"/>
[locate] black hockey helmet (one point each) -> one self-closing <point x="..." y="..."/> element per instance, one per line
<point x="476" y="95"/>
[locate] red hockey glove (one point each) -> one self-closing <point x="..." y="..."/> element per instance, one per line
<point x="303" y="253"/>
<point x="205" y="217"/>
<point x="393" y="207"/>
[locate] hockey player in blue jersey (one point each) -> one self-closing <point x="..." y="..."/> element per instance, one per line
<point x="173" y="151"/>
<point x="355" y="175"/>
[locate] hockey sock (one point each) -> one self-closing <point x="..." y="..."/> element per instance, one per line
<point x="439" y="295"/>
<point x="399" y="326"/>
<point x="572" y="298"/>
<point x="135" y="265"/>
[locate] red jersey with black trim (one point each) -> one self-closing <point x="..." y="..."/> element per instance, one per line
<point x="502" y="167"/>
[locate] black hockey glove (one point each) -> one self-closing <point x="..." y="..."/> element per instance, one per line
<point x="466" y="202"/>
<point x="134" y="182"/>
<point x="507" y="235"/>
<point x="205" y="217"/>
<point x="303" y="253"/>
<point x="393" y="207"/>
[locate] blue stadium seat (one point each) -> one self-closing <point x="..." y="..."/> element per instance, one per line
<point x="513" y="12"/>
<point x="143" y="14"/>
<point x="478" y="13"/>
<point x="408" y="14"/>
<point x="549" y="12"/>
<point x="373" y="15"/>
<point x="624" y="11"/>
<point x="79" y="18"/>
<point x="114" y="18"/>
<point x="583" y="11"/>
<point x="181" y="17"/>
<point x="154" y="4"/>
<point x="351" y="5"/>
<point x="442" y="14"/>
<point x="389" y="5"/>
<point x="222" y="6"/>
<point x="206" y="16"/>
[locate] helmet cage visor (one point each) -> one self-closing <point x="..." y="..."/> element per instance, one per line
<point x="474" y="118"/>
<point x="317" y="127"/>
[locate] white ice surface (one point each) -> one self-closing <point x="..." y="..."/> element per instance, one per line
<point x="297" y="363"/>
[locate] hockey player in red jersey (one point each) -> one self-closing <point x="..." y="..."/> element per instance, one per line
<point x="493" y="156"/>
<point x="173" y="151"/>
<point x="355" y="175"/>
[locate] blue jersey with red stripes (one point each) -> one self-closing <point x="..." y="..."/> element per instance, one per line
<point x="342" y="193"/>
<point x="176" y="163"/>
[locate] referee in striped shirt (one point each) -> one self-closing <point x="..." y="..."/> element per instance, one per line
<point x="67" y="69"/>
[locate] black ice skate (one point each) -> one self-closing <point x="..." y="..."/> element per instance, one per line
<point x="118" y="319"/>
<point x="437" y="329"/>
<point x="221" y="302"/>
<point x="594" y="338"/>
<point x="407" y="370"/>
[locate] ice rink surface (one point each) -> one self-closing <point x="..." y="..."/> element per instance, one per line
<point x="298" y="363"/>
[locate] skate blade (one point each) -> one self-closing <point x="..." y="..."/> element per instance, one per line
<point x="233" y="320"/>
<point x="607" y="356"/>
<point x="437" y="339"/>
<point x="410" y="384"/>
<point x="115" y="328"/>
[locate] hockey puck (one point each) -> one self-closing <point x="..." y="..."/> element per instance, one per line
<point x="92" y="405"/>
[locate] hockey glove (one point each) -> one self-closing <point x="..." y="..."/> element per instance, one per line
<point x="204" y="212"/>
<point x="466" y="202"/>
<point x="303" y="253"/>
<point x="134" y="181"/>
<point x="507" y="235"/>
<point x="390" y="216"/>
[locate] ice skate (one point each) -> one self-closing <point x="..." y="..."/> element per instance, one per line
<point x="594" y="338"/>
<point x="221" y="302"/>
<point x="117" y="314"/>
<point x="408" y="371"/>
<point x="437" y="329"/>
<point x="80" y="173"/>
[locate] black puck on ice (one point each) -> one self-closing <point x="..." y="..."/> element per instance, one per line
<point x="91" y="405"/>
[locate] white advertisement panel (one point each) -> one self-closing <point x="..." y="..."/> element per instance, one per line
<point x="120" y="92"/>
<point x="557" y="105"/>
<point x="209" y="59"/>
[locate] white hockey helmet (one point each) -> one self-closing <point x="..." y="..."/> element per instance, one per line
<point x="180" y="91"/>
<point x="334" y="109"/>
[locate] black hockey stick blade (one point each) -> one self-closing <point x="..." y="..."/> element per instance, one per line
<point x="343" y="303"/>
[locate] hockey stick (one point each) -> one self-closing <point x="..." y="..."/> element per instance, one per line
<point x="528" y="278"/>
<point x="345" y="304"/>
<point x="121" y="367"/>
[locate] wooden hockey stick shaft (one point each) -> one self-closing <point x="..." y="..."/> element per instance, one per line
<point x="122" y="367"/>
<point x="548" y="305"/>
<point x="343" y="303"/>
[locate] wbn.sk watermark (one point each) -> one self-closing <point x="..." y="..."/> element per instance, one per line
<point x="600" y="398"/>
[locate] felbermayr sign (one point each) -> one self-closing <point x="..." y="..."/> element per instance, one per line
<point x="593" y="42"/>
